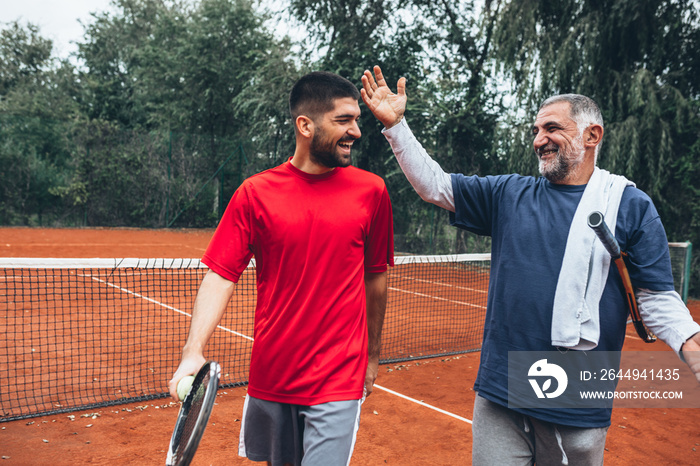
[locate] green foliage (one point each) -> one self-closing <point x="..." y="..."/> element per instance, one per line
<point x="264" y="102"/>
<point x="149" y="69"/>
<point x="174" y="65"/>
<point x="37" y="96"/>
<point x="24" y="55"/>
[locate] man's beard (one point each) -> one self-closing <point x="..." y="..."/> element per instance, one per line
<point x="565" y="162"/>
<point x="325" y="152"/>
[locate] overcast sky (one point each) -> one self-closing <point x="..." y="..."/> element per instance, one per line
<point x="58" y="20"/>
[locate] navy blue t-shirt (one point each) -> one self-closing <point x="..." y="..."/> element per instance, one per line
<point x="528" y="220"/>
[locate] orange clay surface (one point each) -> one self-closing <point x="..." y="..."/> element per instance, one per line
<point x="393" y="430"/>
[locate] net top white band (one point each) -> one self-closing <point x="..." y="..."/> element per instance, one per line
<point x="96" y="263"/>
<point x="100" y="263"/>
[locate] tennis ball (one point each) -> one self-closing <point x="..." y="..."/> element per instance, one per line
<point x="183" y="386"/>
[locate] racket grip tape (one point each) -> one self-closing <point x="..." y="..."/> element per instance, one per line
<point x="597" y="222"/>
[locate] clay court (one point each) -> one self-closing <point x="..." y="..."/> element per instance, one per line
<point x="418" y="415"/>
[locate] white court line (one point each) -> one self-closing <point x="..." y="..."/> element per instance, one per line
<point x="138" y="295"/>
<point x="423" y="404"/>
<point x="124" y="290"/>
<point x="438" y="298"/>
<point x="432" y="282"/>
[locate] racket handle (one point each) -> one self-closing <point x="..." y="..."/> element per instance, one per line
<point x="597" y="222"/>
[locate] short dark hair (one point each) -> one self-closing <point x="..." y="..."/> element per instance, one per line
<point x="313" y="94"/>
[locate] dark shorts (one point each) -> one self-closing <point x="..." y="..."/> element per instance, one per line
<point x="280" y="433"/>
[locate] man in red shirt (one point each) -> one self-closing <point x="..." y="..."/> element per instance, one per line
<point x="322" y="236"/>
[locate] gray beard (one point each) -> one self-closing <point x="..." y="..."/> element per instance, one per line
<point x="563" y="165"/>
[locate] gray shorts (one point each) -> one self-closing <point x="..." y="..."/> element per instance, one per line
<point x="504" y="437"/>
<point x="280" y="433"/>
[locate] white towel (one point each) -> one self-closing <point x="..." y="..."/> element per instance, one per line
<point x="584" y="271"/>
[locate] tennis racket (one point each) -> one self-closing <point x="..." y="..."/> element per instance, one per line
<point x="597" y="222"/>
<point x="194" y="415"/>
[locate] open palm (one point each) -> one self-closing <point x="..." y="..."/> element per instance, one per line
<point x="387" y="107"/>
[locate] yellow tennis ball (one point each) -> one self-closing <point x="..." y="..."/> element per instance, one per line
<point x="184" y="386"/>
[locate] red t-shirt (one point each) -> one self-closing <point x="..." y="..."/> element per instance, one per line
<point x="313" y="237"/>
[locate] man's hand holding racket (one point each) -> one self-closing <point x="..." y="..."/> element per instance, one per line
<point x="386" y="106"/>
<point x="194" y="414"/>
<point x="691" y="354"/>
<point x="188" y="366"/>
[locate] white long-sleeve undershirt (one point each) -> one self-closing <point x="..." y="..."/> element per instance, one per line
<point x="425" y="175"/>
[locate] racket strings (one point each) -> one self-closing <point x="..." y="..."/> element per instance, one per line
<point x="191" y="410"/>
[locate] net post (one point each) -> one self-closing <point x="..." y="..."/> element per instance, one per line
<point x="686" y="275"/>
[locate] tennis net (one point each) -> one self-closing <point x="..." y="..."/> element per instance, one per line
<point x="89" y="333"/>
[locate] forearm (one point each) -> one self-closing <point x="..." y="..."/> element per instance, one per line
<point x="425" y="175"/>
<point x="665" y="314"/>
<point x="209" y="306"/>
<point x="375" y="291"/>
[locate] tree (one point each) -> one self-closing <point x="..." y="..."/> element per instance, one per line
<point x="37" y="107"/>
<point x="113" y="91"/>
<point x="191" y="70"/>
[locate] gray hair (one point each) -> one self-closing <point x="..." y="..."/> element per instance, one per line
<point x="583" y="110"/>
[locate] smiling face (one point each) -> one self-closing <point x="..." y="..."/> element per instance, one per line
<point x="559" y="145"/>
<point x="334" y="134"/>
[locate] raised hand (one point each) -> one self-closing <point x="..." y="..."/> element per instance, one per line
<point x="386" y="106"/>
